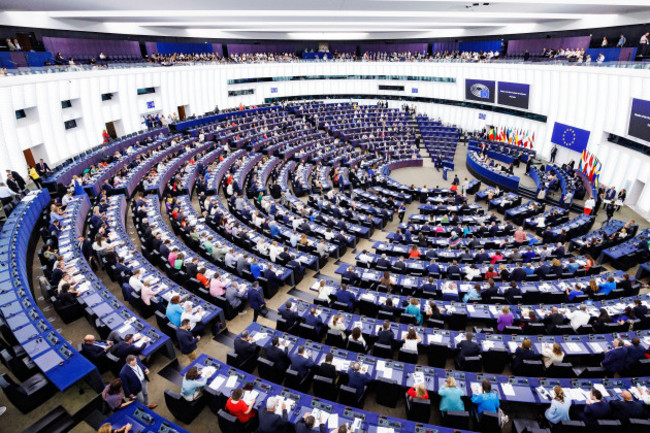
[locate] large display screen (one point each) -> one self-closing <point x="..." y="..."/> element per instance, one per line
<point x="640" y="119"/>
<point x="479" y="90"/>
<point x="513" y="94"/>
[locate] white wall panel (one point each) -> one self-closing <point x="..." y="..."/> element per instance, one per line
<point x="596" y="99"/>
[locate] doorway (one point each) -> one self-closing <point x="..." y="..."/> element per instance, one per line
<point x="635" y="193"/>
<point x="110" y="128"/>
<point x="29" y="158"/>
<point x="182" y="115"/>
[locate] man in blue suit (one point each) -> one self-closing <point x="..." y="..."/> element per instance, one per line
<point x="134" y="380"/>
<point x="312" y="319"/>
<point x="351" y="276"/>
<point x="342" y="295"/>
<point x="595" y="408"/>
<point x="358" y="378"/>
<point x="255" y="300"/>
<point x="635" y="352"/>
<point x="301" y="362"/>
<point x="287" y="313"/>
<point x="278" y="354"/>
<point x="615" y="359"/>
<point x="433" y="267"/>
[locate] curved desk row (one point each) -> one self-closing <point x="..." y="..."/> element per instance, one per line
<point x="486" y="174"/>
<point x="480" y="313"/>
<point x="226" y="378"/>
<point x="574" y="346"/>
<point x="142" y="420"/>
<point x="63" y="175"/>
<point x="103" y="309"/>
<point x="515" y="389"/>
<point x="453" y="289"/>
<point x="134" y="259"/>
<point x="59" y="362"/>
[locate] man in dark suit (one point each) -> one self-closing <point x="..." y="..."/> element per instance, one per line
<point x="467" y="348"/>
<point x="42" y="168"/>
<point x="482" y="256"/>
<point x="244" y="346"/>
<point x="192" y="268"/>
<point x="307" y="423"/>
<point x="554" y="319"/>
<point x="134" y="380"/>
<point x="627" y="408"/>
<point x="121" y="268"/>
<point x="255" y="300"/>
<point x="399" y="265"/>
<point x="542" y="270"/>
<point x="278" y="354"/>
<point x="358" y="378"/>
<point x="429" y="286"/>
<point x="614" y="361"/>
<point x="559" y="251"/>
<point x="385" y="335"/>
<point x="595" y="409"/>
<point x="17" y="178"/>
<point x="433" y="267"/>
<point x="383" y="262"/>
<point x="640" y="310"/>
<point x="187" y="341"/>
<point x="351" y="276"/>
<point x="93" y="351"/>
<point x="453" y="269"/>
<point x="518" y="274"/>
<point x="342" y="295"/>
<point x="635" y="352"/>
<point x="126" y="347"/>
<point x="273" y="282"/>
<point x="492" y="290"/>
<point x="292" y="317"/>
<point x="164" y="249"/>
<point x="301" y="362"/>
<point x="512" y="291"/>
<point x="270" y="422"/>
<point x="312" y="319"/>
<point x="327" y="369"/>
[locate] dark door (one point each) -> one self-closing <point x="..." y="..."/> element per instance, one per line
<point x="29" y="157"/>
<point x="110" y="128"/>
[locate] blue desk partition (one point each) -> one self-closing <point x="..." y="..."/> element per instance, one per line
<point x="143" y="420"/>
<point x="484" y="173"/>
<point x="57" y="359"/>
<point x="110" y="312"/>
<point x="526" y="389"/>
<point x="369" y="421"/>
<point x="193" y="123"/>
<point x="64" y="173"/>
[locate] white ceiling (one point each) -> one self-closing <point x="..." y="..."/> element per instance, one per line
<point x="322" y="20"/>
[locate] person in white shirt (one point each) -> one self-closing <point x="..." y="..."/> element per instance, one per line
<point x="364" y="257"/>
<point x="324" y="291"/>
<point x="194" y="315"/>
<point x="337" y="325"/>
<point x="135" y="282"/>
<point x="411" y="340"/>
<point x="578" y="317"/>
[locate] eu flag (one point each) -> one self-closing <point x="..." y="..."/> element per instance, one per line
<point x="570" y="137"/>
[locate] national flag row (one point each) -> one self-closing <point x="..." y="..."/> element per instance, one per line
<point x="519" y="137"/>
<point x="590" y="166"/>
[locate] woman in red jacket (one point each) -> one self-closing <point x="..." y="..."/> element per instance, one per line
<point x="238" y="407"/>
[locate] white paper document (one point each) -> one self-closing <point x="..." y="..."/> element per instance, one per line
<point x="508" y="389"/>
<point x="333" y="421"/>
<point x="232" y="381"/>
<point x="217" y="382"/>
